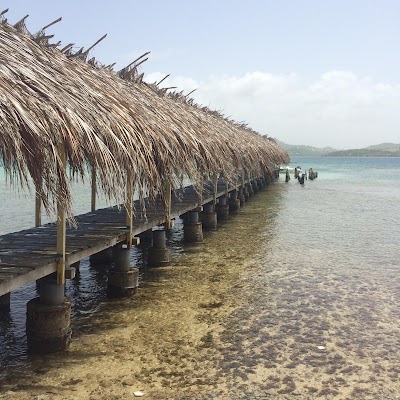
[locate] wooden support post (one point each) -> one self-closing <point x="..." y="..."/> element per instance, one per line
<point x="215" y="182"/>
<point x="201" y="189"/>
<point x="61" y="230"/>
<point x="38" y="210"/>
<point x="168" y="200"/>
<point x="129" y="209"/>
<point x="94" y="189"/>
<point x="226" y="189"/>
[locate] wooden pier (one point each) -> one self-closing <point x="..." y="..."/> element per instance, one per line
<point x="74" y="112"/>
<point x="31" y="254"/>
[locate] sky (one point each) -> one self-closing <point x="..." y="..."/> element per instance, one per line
<point x="313" y="72"/>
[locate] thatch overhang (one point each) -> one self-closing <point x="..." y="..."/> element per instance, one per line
<point x="53" y="101"/>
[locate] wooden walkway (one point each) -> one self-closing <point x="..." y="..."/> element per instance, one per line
<point x="31" y="254"/>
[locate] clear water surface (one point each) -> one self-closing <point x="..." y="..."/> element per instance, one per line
<point x="296" y="296"/>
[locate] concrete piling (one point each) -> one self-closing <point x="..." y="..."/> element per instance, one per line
<point x="159" y="254"/>
<point x="146" y="237"/>
<point x="250" y="189"/>
<point x="222" y="209"/>
<point x="234" y="202"/>
<point x="246" y="192"/>
<point x="242" y="197"/>
<point x="209" y="217"/>
<point x="51" y="293"/>
<point x="192" y="228"/>
<point x="122" y="279"/>
<point x="52" y="276"/>
<point x="48" y="319"/>
<point x="264" y="182"/>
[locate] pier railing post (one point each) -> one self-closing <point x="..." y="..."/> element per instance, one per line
<point x="129" y="209"/>
<point x="61" y="231"/>
<point x="250" y="185"/>
<point x="94" y="189"/>
<point x="168" y="201"/>
<point x="38" y="210"/>
<point x="215" y="189"/>
<point x="201" y="189"/>
<point x="241" y="191"/>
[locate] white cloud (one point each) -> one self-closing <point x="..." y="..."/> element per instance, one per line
<point x="339" y="109"/>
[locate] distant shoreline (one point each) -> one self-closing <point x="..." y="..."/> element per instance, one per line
<point x="364" y="153"/>
<point x="350" y="155"/>
<point x="379" y="150"/>
<point x="344" y="156"/>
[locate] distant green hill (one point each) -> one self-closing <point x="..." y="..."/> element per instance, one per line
<point x="377" y="150"/>
<point x="303" y="150"/>
<point x="366" y="152"/>
<point x="384" y="146"/>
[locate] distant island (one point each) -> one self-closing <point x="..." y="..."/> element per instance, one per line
<point x="379" y="150"/>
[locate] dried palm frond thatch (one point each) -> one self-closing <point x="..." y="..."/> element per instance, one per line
<point x="53" y="101"/>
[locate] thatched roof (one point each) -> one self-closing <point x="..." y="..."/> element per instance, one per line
<point x="53" y="100"/>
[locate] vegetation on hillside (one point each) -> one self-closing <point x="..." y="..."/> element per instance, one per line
<point x="378" y="150"/>
<point x="365" y="153"/>
<point x="304" y="150"/>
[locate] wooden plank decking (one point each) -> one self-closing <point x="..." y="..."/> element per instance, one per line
<point x="31" y="254"/>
